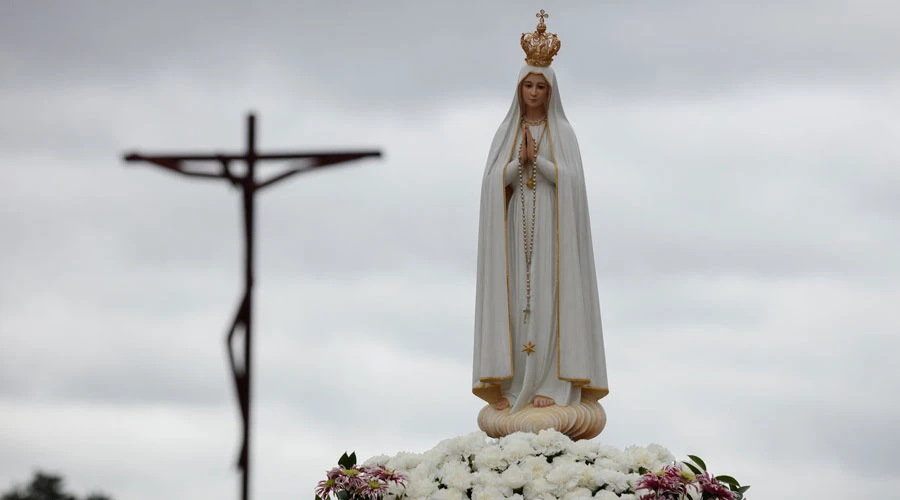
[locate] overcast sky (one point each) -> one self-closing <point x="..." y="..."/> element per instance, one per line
<point x="742" y="169"/>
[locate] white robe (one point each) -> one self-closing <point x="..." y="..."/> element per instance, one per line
<point x="538" y="368"/>
<point x="568" y="362"/>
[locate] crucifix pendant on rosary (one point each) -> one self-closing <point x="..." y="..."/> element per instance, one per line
<point x="525" y="313"/>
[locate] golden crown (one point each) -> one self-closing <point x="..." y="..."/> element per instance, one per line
<point x="540" y="46"/>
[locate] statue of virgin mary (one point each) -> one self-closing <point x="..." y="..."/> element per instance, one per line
<point x="538" y="337"/>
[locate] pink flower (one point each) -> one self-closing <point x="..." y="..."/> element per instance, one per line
<point x="360" y="482"/>
<point x="325" y="487"/>
<point x="668" y="484"/>
<point x="384" y="474"/>
<point x="350" y="479"/>
<point x="713" y="489"/>
<point x="374" y="489"/>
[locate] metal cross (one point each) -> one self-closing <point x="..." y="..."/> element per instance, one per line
<point x="249" y="186"/>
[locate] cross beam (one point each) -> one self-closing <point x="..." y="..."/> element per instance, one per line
<point x="185" y="164"/>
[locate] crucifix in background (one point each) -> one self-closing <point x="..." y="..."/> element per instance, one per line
<point x="246" y="180"/>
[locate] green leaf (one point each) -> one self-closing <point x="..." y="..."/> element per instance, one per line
<point x="693" y="468"/>
<point x="729" y="480"/>
<point x="642" y="470"/>
<point x="347" y="461"/>
<point x="343" y="495"/>
<point x="698" y="461"/>
<point x="743" y="489"/>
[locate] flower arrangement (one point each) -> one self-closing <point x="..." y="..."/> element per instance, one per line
<point x="547" y="465"/>
<point x="675" y="483"/>
<point x="348" y="481"/>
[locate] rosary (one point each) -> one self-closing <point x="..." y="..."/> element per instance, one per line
<point x="528" y="236"/>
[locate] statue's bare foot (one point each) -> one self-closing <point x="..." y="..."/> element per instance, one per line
<point x="542" y="401"/>
<point x="501" y="404"/>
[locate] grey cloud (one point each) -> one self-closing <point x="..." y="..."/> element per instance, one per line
<point x="402" y="50"/>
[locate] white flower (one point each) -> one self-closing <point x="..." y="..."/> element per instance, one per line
<point x="610" y="452"/>
<point x="420" y="486"/>
<point x="491" y="457"/>
<point x="456" y="475"/>
<point x="638" y="456"/>
<point x="606" y="495"/>
<point x="425" y="470"/>
<point x="378" y="459"/>
<point x="584" y="448"/>
<point x="618" y="481"/>
<point x="469" y="444"/>
<point x="518" y="462"/>
<point x="448" y="494"/>
<point x="514" y="477"/>
<point x="517" y="445"/>
<point x="473" y="443"/>
<point x="578" y="494"/>
<point x="663" y="456"/>
<point x="487" y="493"/>
<point x="609" y="464"/>
<point x="538" y="487"/>
<point x="403" y="461"/>
<point x="395" y="489"/>
<point x="551" y="442"/>
<point x="589" y="477"/>
<point x="536" y="467"/>
<point x="566" y="473"/>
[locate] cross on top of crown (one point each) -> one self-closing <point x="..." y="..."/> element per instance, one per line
<point x="543" y="15"/>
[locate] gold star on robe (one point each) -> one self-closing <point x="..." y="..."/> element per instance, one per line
<point x="528" y="348"/>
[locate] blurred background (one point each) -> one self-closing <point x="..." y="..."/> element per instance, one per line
<point x="741" y="164"/>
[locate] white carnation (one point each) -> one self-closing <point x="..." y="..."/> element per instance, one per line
<point x="514" y="477"/>
<point x="606" y="495"/>
<point x="608" y="450"/>
<point x="448" y="494"/>
<point x="584" y="448"/>
<point x="589" y="477"/>
<point x="566" y="473"/>
<point x="518" y="462"/>
<point x="577" y="494"/>
<point x="536" y="467"/>
<point x="564" y="461"/>
<point x="639" y="456"/>
<point x="491" y="457"/>
<point x="403" y="461"/>
<point x="517" y="445"/>
<point x="419" y="486"/>
<point x="470" y="444"/>
<point x="424" y="471"/>
<point x="551" y="442"/>
<point x="490" y="479"/>
<point x="663" y="456"/>
<point x="539" y="487"/>
<point x="615" y="479"/>
<point x="610" y="464"/>
<point x="456" y="475"/>
<point x="487" y="493"/>
<point x="377" y="459"/>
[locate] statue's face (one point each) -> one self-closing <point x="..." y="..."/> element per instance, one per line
<point x="535" y="91"/>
